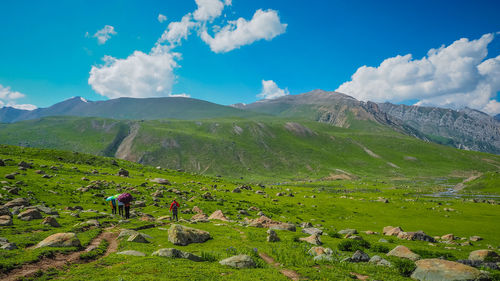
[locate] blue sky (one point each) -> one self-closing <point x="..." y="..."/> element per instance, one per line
<point x="46" y="56"/>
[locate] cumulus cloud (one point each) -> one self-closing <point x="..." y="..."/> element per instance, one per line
<point x="263" y="25"/>
<point x="178" y="30"/>
<point x="104" y="34"/>
<point x="139" y="75"/>
<point x="162" y="18"/>
<point x="270" y="90"/>
<point x="209" y="9"/>
<point x="9" y="97"/>
<point x="453" y="76"/>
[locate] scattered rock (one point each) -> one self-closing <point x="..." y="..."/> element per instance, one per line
<point x="313" y="239"/>
<point x="207" y="196"/>
<point x="17" y="202"/>
<point x="51" y="221"/>
<point x="382" y="240"/>
<point x="132" y="253"/>
<point x="197" y="210"/>
<point x="218" y="215"/>
<point x="175" y="253"/>
<point x="200" y="218"/>
<point x="5" y="220"/>
<point x="236" y="190"/>
<point x="239" y="261"/>
<point x="312" y="230"/>
<point x="161" y="181"/>
<point x="475" y="238"/>
<point x="392" y="231"/>
<point x="266" y="222"/>
<point x="449" y="237"/>
<point x="437" y="269"/>
<point x="4" y="211"/>
<point x="123" y="173"/>
<point x="348" y="231"/>
<point x="243" y="212"/>
<point x="30" y="214"/>
<point x="416" y="236"/>
<point x="183" y="235"/>
<point x="403" y="252"/>
<point x="140" y="204"/>
<point x="359" y="256"/>
<point x="10" y="176"/>
<point x="323" y="257"/>
<point x="317" y="251"/>
<point x="60" y="240"/>
<point x="272" y="236"/>
<point x="306" y="225"/>
<point x="138" y="238"/>
<point x="484" y="255"/>
<point x="9" y="246"/>
<point x="380" y="261"/>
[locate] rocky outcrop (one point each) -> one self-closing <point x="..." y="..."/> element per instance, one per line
<point x="403" y="252"/>
<point x="183" y="235"/>
<point x="443" y="270"/>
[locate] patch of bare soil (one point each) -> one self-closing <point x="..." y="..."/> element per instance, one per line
<point x="291" y="274"/>
<point x="461" y="185"/>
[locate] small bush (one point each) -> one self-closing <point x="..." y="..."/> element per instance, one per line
<point x="334" y="234"/>
<point x="405" y="267"/>
<point x="353" y="245"/>
<point x="428" y="254"/>
<point x="380" y="248"/>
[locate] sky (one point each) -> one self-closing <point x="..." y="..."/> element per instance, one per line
<point x="433" y="53"/>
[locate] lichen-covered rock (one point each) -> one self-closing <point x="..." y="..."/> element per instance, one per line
<point x="30" y="214"/>
<point x="51" y="221"/>
<point x="175" y="253"/>
<point x="218" y="215"/>
<point x="239" y="261"/>
<point x="443" y="270"/>
<point x="138" y="238"/>
<point x="183" y="235"/>
<point x="403" y="252"/>
<point x="313" y="239"/>
<point x="484" y="255"/>
<point x="17" y="202"/>
<point x="5" y="220"/>
<point x="380" y="261"/>
<point x="316" y="251"/>
<point x="312" y="230"/>
<point x="60" y="240"/>
<point x="348" y="231"/>
<point x="359" y="256"/>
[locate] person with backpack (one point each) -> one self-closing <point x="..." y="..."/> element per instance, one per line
<point x="120" y="208"/>
<point x="173" y="208"/>
<point x="126" y="198"/>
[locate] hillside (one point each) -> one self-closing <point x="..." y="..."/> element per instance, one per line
<point x="268" y="149"/>
<point x="49" y="194"/>
<point x="128" y="108"/>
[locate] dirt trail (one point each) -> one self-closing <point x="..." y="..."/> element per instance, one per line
<point x="61" y="260"/>
<point x="461" y="185"/>
<point x="291" y="274"/>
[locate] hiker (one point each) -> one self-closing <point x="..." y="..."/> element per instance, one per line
<point x="120" y="208"/>
<point x="112" y="202"/>
<point x="173" y="208"/>
<point x="126" y="198"/>
<point x="127" y="210"/>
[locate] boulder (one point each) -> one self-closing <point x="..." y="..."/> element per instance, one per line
<point x="46" y="210"/>
<point x="199" y="218"/>
<point x="10" y="176"/>
<point x="126" y="233"/>
<point x="4" y="211"/>
<point x="443" y="270"/>
<point x="313" y="239"/>
<point x="348" y="231"/>
<point x="484" y="255"/>
<point x="197" y="210"/>
<point x="415" y="236"/>
<point x="272" y="236"/>
<point x="5" y="220"/>
<point x="123" y="173"/>
<point x="132" y="253"/>
<point x="51" y="221"/>
<point x="161" y="181"/>
<point x="60" y="240"/>
<point x="9" y="246"/>
<point x="236" y="190"/>
<point x="17" y="202"/>
<point x="218" y="215"/>
<point x="317" y="251"/>
<point x="306" y="225"/>
<point x="30" y="214"/>
<point x="449" y="237"/>
<point x="239" y="261"/>
<point x="283" y="226"/>
<point x="266" y="222"/>
<point x="174" y="253"/>
<point x="359" y="256"/>
<point x="312" y="230"/>
<point x="403" y="252"/>
<point x="183" y="235"/>
<point x="377" y="260"/>
<point x="138" y="238"/>
<point x="475" y="238"/>
<point x="392" y="231"/>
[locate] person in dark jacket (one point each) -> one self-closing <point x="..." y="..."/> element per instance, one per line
<point x="173" y="208"/>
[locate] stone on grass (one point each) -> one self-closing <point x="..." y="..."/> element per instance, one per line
<point x="392" y="231"/>
<point x="175" y="253"/>
<point x="10" y="176"/>
<point x="415" y="236"/>
<point x="30" y="214"/>
<point x="161" y="181"/>
<point x="475" y="238"/>
<point x="5" y="220"/>
<point x="4" y="211"/>
<point x="377" y="260"/>
<point x="9" y="246"/>
<point x="312" y="230"/>
<point x="403" y="252"/>
<point x="200" y="218"/>
<point x="348" y="231"/>
<point x="138" y="238"/>
<point x="272" y="236"/>
<point x="132" y="253"/>
<point x="183" y="235"/>
<point x="17" y="202"/>
<point x="316" y="251"/>
<point x="239" y="261"/>
<point x="284" y="226"/>
<point x="443" y="270"/>
<point x="218" y="215"/>
<point x="449" y="237"/>
<point x="359" y="256"/>
<point x="323" y="257"/>
<point x="484" y="255"/>
<point x="306" y="225"/>
<point x="197" y="210"/>
<point x="68" y="239"/>
<point x="313" y="239"/>
<point x="123" y="173"/>
<point x="51" y="221"/>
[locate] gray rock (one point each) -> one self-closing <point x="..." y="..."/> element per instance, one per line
<point x="239" y="261"/>
<point x="348" y="231"/>
<point x="443" y="270"/>
<point x="161" y="181"/>
<point x="5" y="220"/>
<point x="60" y="240"/>
<point x="29" y="214"/>
<point x="283" y="226"/>
<point x="51" y="221"/>
<point x="380" y="261"/>
<point x="183" y="235"/>
<point x="382" y="240"/>
<point x="312" y="230"/>
<point x="306" y="225"/>
<point x="323" y="257"/>
<point x="4" y="211"/>
<point x="9" y="246"/>
<point x="138" y="238"/>
<point x="175" y="253"/>
<point x="17" y="202"/>
<point x="132" y="253"/>
<point x="360" y="256"/>
<point x="272" y="236"/>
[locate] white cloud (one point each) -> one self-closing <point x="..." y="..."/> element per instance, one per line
<point x="8" y="97"/>
<point x="140" y="75"/>
<point x="454" y="76"/>
<point x="271" y="91"/>
<point x="263" y="25"/>
<point x="209" y="9"/>
<point x="177" y="30"/>
<point x="162" y="18"/>
<point x="104" y="34"/>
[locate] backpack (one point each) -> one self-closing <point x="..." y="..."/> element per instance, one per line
<point x="174" y="208"/>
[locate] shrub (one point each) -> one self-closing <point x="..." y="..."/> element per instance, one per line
<point x="380" y="248"/>
<point x="353" y="245"/>
<point x="429" y="254"/>
<point x="334" y="234"/>
<point x="405" y="267"/>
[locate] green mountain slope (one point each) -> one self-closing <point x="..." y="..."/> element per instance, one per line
<point x="262" y="148"/>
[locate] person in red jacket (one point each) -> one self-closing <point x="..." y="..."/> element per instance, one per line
<point x="173" y="208"/>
